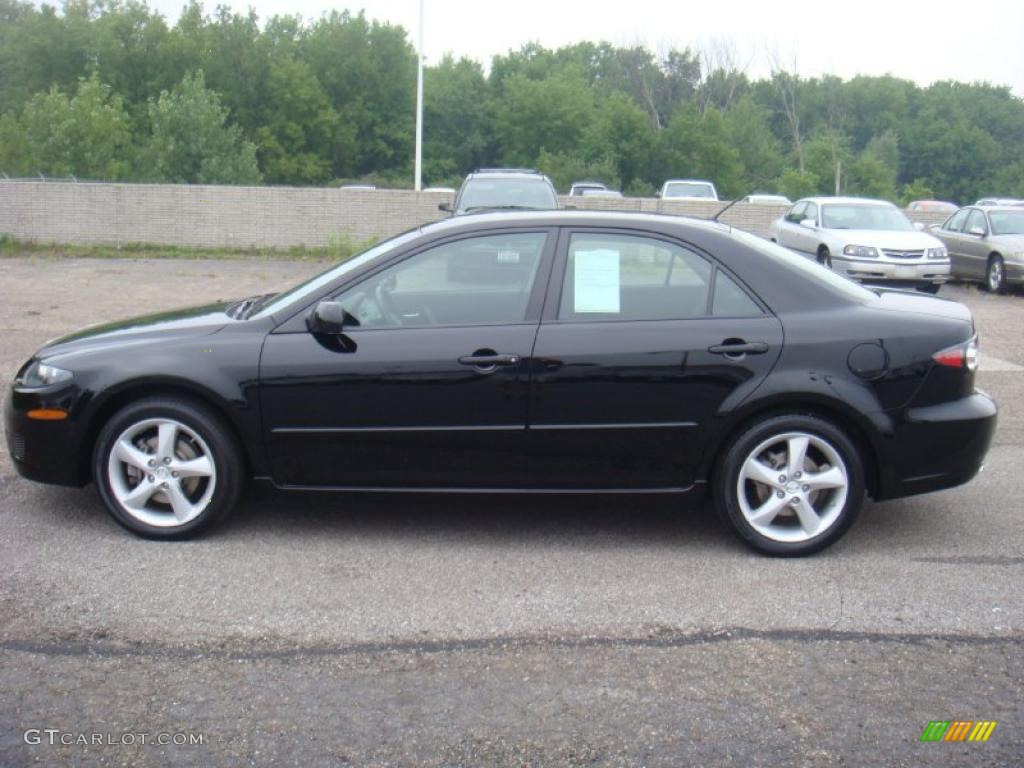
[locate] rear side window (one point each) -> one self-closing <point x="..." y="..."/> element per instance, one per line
<point x="730" y="300"/>
<point x="629" y="277"/>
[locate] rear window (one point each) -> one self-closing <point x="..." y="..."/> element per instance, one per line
<point x="802" y="264"/>
<point x="689" y="189"/>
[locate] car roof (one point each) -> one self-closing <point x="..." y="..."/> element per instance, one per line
<point x="997" y="208"/>
<point x="688" y="181"/>
<point x="821" y="200"/>
<point x="568" y="217"/>
<point x="506" y="172"/>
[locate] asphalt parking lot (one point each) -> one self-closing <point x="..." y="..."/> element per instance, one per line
<point x="359" y="630"/>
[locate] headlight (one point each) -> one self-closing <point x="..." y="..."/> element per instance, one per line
<point x="937" y="253"/>
<point x="42" y="375"/>
<point x="861" y="251"/>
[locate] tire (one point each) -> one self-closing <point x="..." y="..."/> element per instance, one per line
<point x="995" y="274"/>
<point x="167" y="494"/>
<point x="931" y="288"/>
<point x="824" y="257"/>
<point x="823" y="512"/>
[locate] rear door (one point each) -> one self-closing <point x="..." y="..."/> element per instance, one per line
<point x="643" y="340"/>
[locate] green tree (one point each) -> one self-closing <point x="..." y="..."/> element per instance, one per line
<point x="697" y="146"/>
<point x="536" y="115"/>
<point x="301" y="139"/>
<point x="456" y="119"/>
<point x="87" y="135"/>
<point x="620" y="136"/>
<point x="760" y="153"/>
<point x="191" y="142"/>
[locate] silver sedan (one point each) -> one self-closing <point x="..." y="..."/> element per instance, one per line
<point x="986" y="244"/>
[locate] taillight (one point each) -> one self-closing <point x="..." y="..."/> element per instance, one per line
<point x="963" y="355"/>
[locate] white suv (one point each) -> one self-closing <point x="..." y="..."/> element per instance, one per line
<point x="868" y="240"/>
<point x="688" y="189"/>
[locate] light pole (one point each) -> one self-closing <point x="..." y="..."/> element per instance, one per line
<point x="419" y="105"/>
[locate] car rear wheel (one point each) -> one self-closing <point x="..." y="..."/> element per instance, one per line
<point x="167" y="468"/>
<point x="995" y="275"/>
<point x="790" y="485"/>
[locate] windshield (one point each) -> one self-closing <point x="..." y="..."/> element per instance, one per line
<point x="1007" y="222"/>
<point x="801" y="263"/>
<point x="507" y="193"/>
<point x="882" y="217"/>
<point x="688" y="189"/>
<point x="314" y="284"/>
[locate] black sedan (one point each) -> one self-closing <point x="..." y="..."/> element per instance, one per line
<point x="610" y="353"/>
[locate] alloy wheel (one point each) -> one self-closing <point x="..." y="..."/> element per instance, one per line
<point x="161" y="472"/>
<point x="792" y="487"/>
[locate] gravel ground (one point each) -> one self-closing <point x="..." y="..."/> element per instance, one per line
<point x="316" y="629"/>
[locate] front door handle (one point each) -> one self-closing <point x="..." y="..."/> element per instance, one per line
<point x="485" y="360"/>
<point x="731" y="348"/>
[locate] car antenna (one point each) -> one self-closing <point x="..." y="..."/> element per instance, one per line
<point x="730" y="205"/>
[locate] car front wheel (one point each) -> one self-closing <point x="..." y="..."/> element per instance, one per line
<point x="167" y="468"/>
<point x="790" y="485"/>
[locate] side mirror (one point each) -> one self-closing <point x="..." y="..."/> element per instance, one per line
<point x="919" y="226"/>
<point x="327" y="318"/>
<point x="809" y="223"/>
<point x="446" y="207"/>
<point x="977" y="231"/>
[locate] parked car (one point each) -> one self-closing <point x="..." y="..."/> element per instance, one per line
<point x="640" y="353"/>
<point x="601" y="193"/>
<point x="582" y="187"/>
<point x="986" y="243"/>
<point x="931" y="206"/>
<point x="446" y="190"/>
<point x="999" y="201"/>
<point x="513" y="189"/>
<point x="867" y="240"/>
<point x="688" y="189"/>
<point x="767" y="200"/>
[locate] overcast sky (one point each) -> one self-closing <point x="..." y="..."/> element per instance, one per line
<point x="920" y="41"/>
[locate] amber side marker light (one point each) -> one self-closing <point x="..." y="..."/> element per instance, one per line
<point x="47" y="414"/>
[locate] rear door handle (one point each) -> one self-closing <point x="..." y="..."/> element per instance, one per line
<point x="739" y="348"/>
<point x="489" y="361"/>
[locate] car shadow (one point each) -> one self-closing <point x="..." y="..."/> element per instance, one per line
<point x="512" y="519"/>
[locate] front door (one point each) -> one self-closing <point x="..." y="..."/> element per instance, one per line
<point x="428" y="386"/>
<point x="643" y="343"/>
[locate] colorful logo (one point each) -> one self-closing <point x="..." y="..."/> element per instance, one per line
<point x="958" y="730"/>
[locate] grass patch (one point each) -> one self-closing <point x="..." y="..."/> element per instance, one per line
<point x="339" y="247"/>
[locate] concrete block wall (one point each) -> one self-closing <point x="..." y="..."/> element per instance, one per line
<point x="271" y="217"/>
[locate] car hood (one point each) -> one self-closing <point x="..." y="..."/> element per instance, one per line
<point x="192" y="321"/>
<point x="896" y="240"/>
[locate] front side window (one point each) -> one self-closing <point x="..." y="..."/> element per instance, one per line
<point x="626" y="277"/>
<point x="483" y="280"/>
<point x="955" y="223"/>
<point x="796" y="213"/>
<point x="811" y="212"/>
